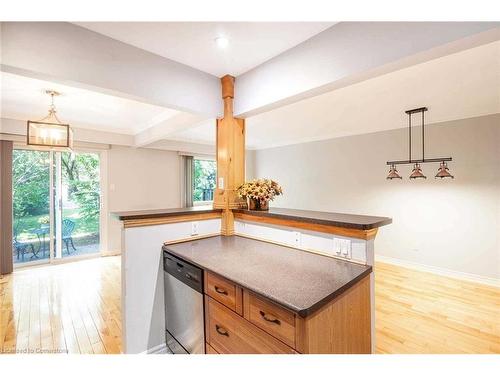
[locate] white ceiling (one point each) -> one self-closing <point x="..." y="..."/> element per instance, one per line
<point x="24" y="98"/>
<point x="461" y="85"/>
<point x="192" y="43"/>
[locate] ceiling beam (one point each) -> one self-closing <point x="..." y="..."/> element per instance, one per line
<point x="350" y="52"/>
<point x="186" y="148"/>
<point x="72" y="55"/>
<point x="14" y="127"/>
<point x="15" y="130"/>
<point x="163" y="129"/>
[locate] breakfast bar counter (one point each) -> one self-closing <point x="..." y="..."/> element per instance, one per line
<point x="362" y="222"/>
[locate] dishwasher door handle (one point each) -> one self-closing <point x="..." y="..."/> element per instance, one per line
<point x="192" y="278"/>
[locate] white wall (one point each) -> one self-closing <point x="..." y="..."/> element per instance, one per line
<point x="450" y="224"/>
<point x="138" y="179"/>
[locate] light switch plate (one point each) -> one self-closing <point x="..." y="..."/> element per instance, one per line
<point x="346" y="248"/>
<point x="337" y="245"/>
<point x="194" y="228"/>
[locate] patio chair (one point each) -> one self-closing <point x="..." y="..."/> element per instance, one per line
<point x="68" y="226"/>
<point x="21" y="247"/>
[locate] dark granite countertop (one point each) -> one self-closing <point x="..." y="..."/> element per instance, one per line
<point x="296" y="279"/>
<point x="362" y="222"/>
<point x="146" y="214"/>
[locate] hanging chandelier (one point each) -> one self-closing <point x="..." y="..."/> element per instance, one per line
<point x="50" y="131"/>
<point x="417" y="173"/>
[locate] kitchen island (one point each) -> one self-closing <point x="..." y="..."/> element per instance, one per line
<point x="298" y="280"/>
<point x="344" y="239"/>
<point x="266" y="298"/>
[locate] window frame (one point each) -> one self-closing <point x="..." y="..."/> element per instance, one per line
<point x="206" y="158"/>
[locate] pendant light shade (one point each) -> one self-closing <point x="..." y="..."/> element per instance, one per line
<point x="50" y="131"/>
<point x="393" y="173"/>
<point x="417" y="172"/>
<point x="443" y="171"/>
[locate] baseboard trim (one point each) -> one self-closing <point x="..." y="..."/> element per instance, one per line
<point x="111" y="253"/>
<point x="158" y="349"/>
<point x="440" y="271"/>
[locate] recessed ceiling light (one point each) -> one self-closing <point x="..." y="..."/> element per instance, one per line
<point x="221" y="42"/>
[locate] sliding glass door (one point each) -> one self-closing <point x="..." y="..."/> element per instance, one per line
<point x="79" y="199"/>
<point x="31" y="181"/>
<point x="57" y="205"/>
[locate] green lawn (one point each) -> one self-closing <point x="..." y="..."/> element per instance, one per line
<point x="83" y="227"/>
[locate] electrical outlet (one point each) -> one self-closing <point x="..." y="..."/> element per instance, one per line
<point x="297" y="239"/>
<point x="194" y="228"/>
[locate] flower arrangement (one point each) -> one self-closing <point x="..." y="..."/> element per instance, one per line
<point x="259" y="192"/>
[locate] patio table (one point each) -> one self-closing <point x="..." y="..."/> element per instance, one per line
<point x="41" y="233"/>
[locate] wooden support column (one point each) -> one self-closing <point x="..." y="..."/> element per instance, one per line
<point x="230" y="144"/>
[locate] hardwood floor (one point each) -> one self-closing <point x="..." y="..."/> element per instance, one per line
<point x="72" y="307"/>
<point x="419" y="312"/>
<point x="75" y="307"/>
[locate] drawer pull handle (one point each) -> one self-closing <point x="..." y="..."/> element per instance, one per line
<point x="221" y="331"/>
<point x="220" y="290"/>
<point x="268" y="319"/>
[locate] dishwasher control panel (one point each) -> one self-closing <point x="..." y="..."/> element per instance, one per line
<point x="183" y="271"/>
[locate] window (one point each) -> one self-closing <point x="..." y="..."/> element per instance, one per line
<point x="204" y="176"/>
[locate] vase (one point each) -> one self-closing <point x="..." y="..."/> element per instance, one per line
<point x="257" y="205"/>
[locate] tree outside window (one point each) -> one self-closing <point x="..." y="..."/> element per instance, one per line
<point x="205" y="174"/>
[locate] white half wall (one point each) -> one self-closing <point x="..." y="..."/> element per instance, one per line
<point x="449" y="224"/>
<point x="143" y="306"/>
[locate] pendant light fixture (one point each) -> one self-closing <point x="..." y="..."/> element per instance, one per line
<point x="50" y="131"/>
<point x="417" y="173"/>
<point x="443" y="171"/>
<point x="393" y="173"/>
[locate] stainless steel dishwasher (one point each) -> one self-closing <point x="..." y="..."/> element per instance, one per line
<point x="184" y="315"/>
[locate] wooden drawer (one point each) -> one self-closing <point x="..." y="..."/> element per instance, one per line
<point x="209" y="349"/>
<point x="224" y="291"/>
<point x="272" y="318"/>
<point x="229" y="333"/>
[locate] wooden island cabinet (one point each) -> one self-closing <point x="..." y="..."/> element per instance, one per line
<point x="238" y="321"/>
